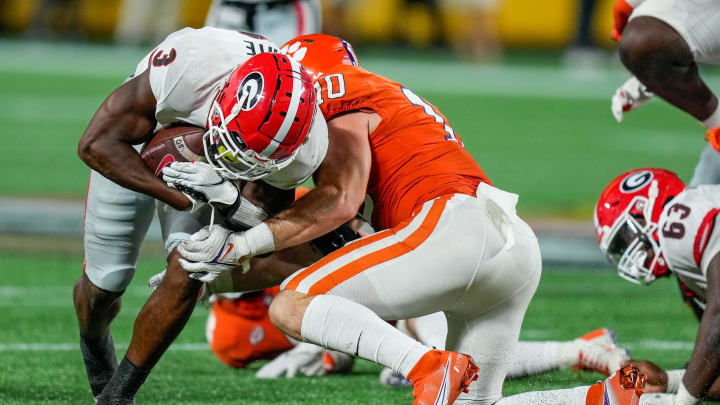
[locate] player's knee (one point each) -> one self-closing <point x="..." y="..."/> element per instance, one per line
<point x="649" y="46"/>
<point x="176" y="277"/>
<point x="287" y="310"/>
<point x="94" y="306"/>
<point x="282" y="310"/>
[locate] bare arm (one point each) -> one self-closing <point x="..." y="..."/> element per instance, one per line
<point x="126" y="118"/>
<point x="704" y="367"/>
<point x="340" y="184"/>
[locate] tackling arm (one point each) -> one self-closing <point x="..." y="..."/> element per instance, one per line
<point x="341" y="181"/>
<point x="126" y="118"/>
<point x="704" y="367"/>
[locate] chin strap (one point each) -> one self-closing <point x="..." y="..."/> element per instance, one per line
<point x="652" y="196"/>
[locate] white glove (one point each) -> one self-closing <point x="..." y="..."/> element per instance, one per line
<point x="631" y="95"/>
<point x="200" y="182"/>
<point x="305" y="357"/>
<point x="206" y="294"/>
<point x="210" y="253"/>
<point x="155" y="280"/>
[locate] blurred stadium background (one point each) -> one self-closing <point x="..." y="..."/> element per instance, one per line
<point x="525" y="83"/>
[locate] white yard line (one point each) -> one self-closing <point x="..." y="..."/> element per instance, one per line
<point x="659" y="345"/>
<point x="70" y="347"/>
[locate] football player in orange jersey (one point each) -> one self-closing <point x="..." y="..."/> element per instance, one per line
<point x="448" y="240"/>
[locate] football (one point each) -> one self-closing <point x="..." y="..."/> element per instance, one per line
<point x="175" y="144"/>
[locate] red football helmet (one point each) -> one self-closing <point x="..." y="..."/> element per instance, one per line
<point x="260" y="117"/>
<point x="320" y="52"/>
<point x="626" y="217"/>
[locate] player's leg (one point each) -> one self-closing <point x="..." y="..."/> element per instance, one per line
<point x="419" y="267"/>
<point x="660" y="46"/>
<point x="157" y="325"/>
<point x="707" y="170"/>
<point x="596" y="350"/>
<point x="116" y="221"/>
<point x="490" y="337"/>
<point x="229" y="14"/>
<point x="281" y="22"/>
<point x="164" y="314"/>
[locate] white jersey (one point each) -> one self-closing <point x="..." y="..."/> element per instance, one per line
<point x="189" y="68"/>
<point x="688" y="235"/>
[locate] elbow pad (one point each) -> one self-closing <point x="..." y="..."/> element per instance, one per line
<point x="334" y="240"/>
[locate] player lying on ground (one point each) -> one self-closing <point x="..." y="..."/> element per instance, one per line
<point x="661" y="45"/>
<point x="447" y="240"/>
<point x="651" y="226"/>
<point x="239" y="332"/>
<point x="191" y="78"/>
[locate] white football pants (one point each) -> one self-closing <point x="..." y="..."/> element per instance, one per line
<point x="278" y="21"/>
<point x="471" y="257"/>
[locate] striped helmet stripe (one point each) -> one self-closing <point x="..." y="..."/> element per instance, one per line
<point x="290" y="116"/>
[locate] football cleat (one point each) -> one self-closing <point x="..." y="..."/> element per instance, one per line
<point x="623" y="388"/>
<point x="598" y="351"/>
<point x="441" y="376"/>
<point x="337" y="362"/>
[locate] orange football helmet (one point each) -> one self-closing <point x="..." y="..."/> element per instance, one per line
<point x="320" y="52"/>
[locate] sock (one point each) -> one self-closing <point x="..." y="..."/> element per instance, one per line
<point x="346" y="326"/>
<point x="100" y="361"/>
<point x="572" y="396"/>
<point x="532" y="358"/>
<point x="713" y="121"/>
<point x="123" y="386"/>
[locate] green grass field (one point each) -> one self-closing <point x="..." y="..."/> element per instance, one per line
<point x="36" y="307"/>
<point x="537" y="130"/>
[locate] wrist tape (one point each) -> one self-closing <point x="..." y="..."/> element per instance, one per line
<point x="244" y="215"/>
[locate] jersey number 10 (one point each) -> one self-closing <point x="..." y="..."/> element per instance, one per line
<point x="335" y="85"/>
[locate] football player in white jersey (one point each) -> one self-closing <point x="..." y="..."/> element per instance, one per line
<point x="194" y="77"/>
<point x="277" y="20"/>
<point x="661" y="42"/>
<point x="650" y="226"/>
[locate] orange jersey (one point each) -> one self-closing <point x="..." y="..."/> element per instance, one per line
<point x="239" y="330"/>
<point x="416" y="155"/>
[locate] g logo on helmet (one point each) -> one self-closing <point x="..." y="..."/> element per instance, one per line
<point x="250" y="90"/>
<point x="636" y="181"/>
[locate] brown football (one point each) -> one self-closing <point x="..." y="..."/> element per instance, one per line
<point x="175" y="144"/>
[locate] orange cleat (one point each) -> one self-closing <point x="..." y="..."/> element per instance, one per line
<point x="623" y="388"/>
<point x="441" y="376"/>
<point x="713" y="136"/>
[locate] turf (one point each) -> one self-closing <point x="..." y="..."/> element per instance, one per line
<point x="36" y="307"/>
<point x="538" y="131"/>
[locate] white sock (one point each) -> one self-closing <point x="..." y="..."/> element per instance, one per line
<point x="346" y="326"/>
<point x="532" y="358"/>
<point x="713" y="121"/>
<point x="572" y="396"/>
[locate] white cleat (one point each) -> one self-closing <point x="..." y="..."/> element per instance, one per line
<point x="598" y="351"/>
